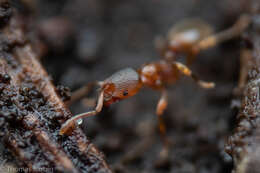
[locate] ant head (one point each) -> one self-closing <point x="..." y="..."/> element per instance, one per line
<point x="123" y="84"/>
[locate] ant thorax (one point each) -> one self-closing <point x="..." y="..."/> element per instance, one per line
<point x="157" y="75"/>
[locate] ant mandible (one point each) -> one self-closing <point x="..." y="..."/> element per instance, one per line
<point x="158" y="75"/>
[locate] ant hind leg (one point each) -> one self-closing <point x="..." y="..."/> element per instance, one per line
<point x="186" y="71"/>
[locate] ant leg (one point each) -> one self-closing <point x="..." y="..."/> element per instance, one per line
<point x="186" y="71"/>
<point x="161" y="46"/>
<point x="161" y="106"/>
<point x="70" y="124"/>
<point x="81" y="92"/>
<point x="190" y="58"/>
<point x="245" y="56"/>
<point x="241" y="24"/>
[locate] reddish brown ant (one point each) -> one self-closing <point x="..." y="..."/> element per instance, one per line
<point x="157" y="75"/>
<point x="127" y="82"/>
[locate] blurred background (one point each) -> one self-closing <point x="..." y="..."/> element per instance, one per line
<point x="87" y="40"/>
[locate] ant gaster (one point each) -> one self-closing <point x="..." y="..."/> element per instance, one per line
<point x="157" y="75"/>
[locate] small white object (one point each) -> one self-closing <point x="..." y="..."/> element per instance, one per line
<point x="79" y="121"/>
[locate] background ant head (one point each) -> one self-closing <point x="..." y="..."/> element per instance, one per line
<point x="123" y="84"/>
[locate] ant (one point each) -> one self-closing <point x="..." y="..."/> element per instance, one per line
<point x="127" y="82"/>
<point x="187" y="38"/>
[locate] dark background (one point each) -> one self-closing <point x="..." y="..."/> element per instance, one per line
<point x="87" y="40"/>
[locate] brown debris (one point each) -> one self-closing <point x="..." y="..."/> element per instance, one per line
<point x="31" y="112"/>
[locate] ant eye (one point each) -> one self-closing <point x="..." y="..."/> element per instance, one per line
<point x="125" y="93"/>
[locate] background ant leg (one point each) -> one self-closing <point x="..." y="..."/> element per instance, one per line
<point x="241" y="24"/>
<point x="245" y="56"/>
<point x="190" y="58"/>
<point x="70" y="124"/>
<point x="161" y="106"/>
<point x="81" y="92"/>
<point x="186" y="71"/>
<point x="161" y="46"/>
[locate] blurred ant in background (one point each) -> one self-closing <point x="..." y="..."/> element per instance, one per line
<point x="188" y="38"/>
<point x="191" y="36"/>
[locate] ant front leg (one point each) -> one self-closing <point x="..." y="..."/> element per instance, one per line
<point x="161" y="106"/>
<point x="70" y="124"/>
<point x="186" y="71"/>
<point x="241" y="24"/>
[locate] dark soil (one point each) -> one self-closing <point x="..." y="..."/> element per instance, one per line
<point x="88" y="40"/>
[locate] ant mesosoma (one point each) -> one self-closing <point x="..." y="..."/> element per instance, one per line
<point x="186" y="38"/>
